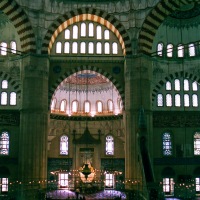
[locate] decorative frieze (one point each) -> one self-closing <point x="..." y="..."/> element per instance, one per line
<point x="176" y="119"/>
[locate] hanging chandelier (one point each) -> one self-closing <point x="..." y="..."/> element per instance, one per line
<point x="86" y="173"/>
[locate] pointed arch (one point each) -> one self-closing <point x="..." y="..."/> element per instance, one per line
<point x="22" y="24"/>
<point x="87" y="14"/>
<point x="91" y="68"/>
<point x="154" y="19"/>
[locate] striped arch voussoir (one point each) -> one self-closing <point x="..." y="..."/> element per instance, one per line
<point x="81" y="68"/>
<point x="155" y="19"/>
<point x="12" y="82"/>
<point x="22" y="24"/>
<point x="86" y="14"/>
<point x="170" y="78"/>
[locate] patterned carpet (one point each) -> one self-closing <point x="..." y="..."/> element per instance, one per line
<point x="66" y="194"/>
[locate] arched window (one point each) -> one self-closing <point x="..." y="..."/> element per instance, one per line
<point x="53" y="104"/>
<point x="83" y="48"/>
<point x="114" y="48"/>
<point x="64" y="148"/>
<point x="66" y="47"/>
<point x="13" y="98"/>
<point x="63" y="180"/>
<point x="177" y="100"/>
<point x="169" y="100"/>
<point x="75" y="32"/>
<point x="58" y="47"/>
<point x="159" y="100"/>
<point x="4" y="98"/>
<point x="4" y="84"/>
<point x="168" y="186"/>
<point x="74" y="47"/>
<point x="110" y="106"/>
<point x="167" y="144"/>
<point x="83" y="29"/>
<point x="180" y="51"/>
<point x="109" y="145"/>
<point x="177" y="84"/>
<point x="4" y="143"/>
<point x="107" y="48"/>
<point x="3" y="49"/>
<point x="194" y="100"/>
<point x="13" y="47"/>
<point x="67" y="34"/>
<point x="197" y="143"/>
<point x="106" y="35"/>
<point x="91" y="29"/>
<point x="91" y="48"/>
<point x="99" y="48"/>
<point x="194" y="86"/>
<point x="160" y="49"/>
<point x="169" y="50"/>
<point x="63" y="106"/>
<point x="186" y="85"/>
<point x="191" y="50"/>
<point x="99" y="107"/>
<point x="99" y="33"/>
<point x="168" y="85"/>
<point x="186" y="100"/>
<point x="87" y="107"/>
<point x="75" y="106"/>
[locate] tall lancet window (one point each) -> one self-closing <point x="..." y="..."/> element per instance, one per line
<point x="4" y="143"/>
<point x="109" y="145"/>
<point x="64" y="145"/>
<point x="167" y="144"/>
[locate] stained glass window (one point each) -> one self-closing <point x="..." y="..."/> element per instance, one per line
<point x="180" y="51"/>
<point x="99" y="48"/>
<point x="160" y="49"/>
<point x="107" y="48"/>
<point x="75" y="32"/>
<point x="83" y="29"/>
<point x="169" y="100"/>
<point x="194" y="100"/>
<point x="67" y="34"/>
<point x="13" y="46"/>
<point x="177" y="100"/>
<point x="114" y="48"/>
<point x="64" y="145"/>
<point x="169" y="50"/>
<point x="4" y="143"/>
<point x="191" y="50"/>
<point x="99" y="107"/>
<point x="177" y="86"/>
<point x="186" y="100"/>
<point x="197" y="143"/>
<point x="3" y="185"/>
<point x="91" y="30"/>
<point x="109" y="180"/>
<point x="168" y="85"/>
<point x="99" y="33"/>
<point x="197" y="183"/>
<point x="4" y="84"/>
<point x="4" y="98"/>
<point x="63" y="105"/>
<point x="194" y="86"/>
<point x="83" y="48"/>
<point x="106" y="35"/>
<point x="168" y="186"/>
<point x="160" y="100"/>
<point x="58" y="47"/>
<point x="109" y="145"/>
<point x="90" y="47"/>
<point x="13" y="98"/>
<point x="167" y="144"/>
<point x="63" y="180"/>
<point x="66" y="47"/>
<point x="110" y="105"/>
<point x="74" y="106"/>
<point x="186" y="85"/>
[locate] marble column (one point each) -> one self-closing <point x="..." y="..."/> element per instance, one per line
<point x="33" y="126"/>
